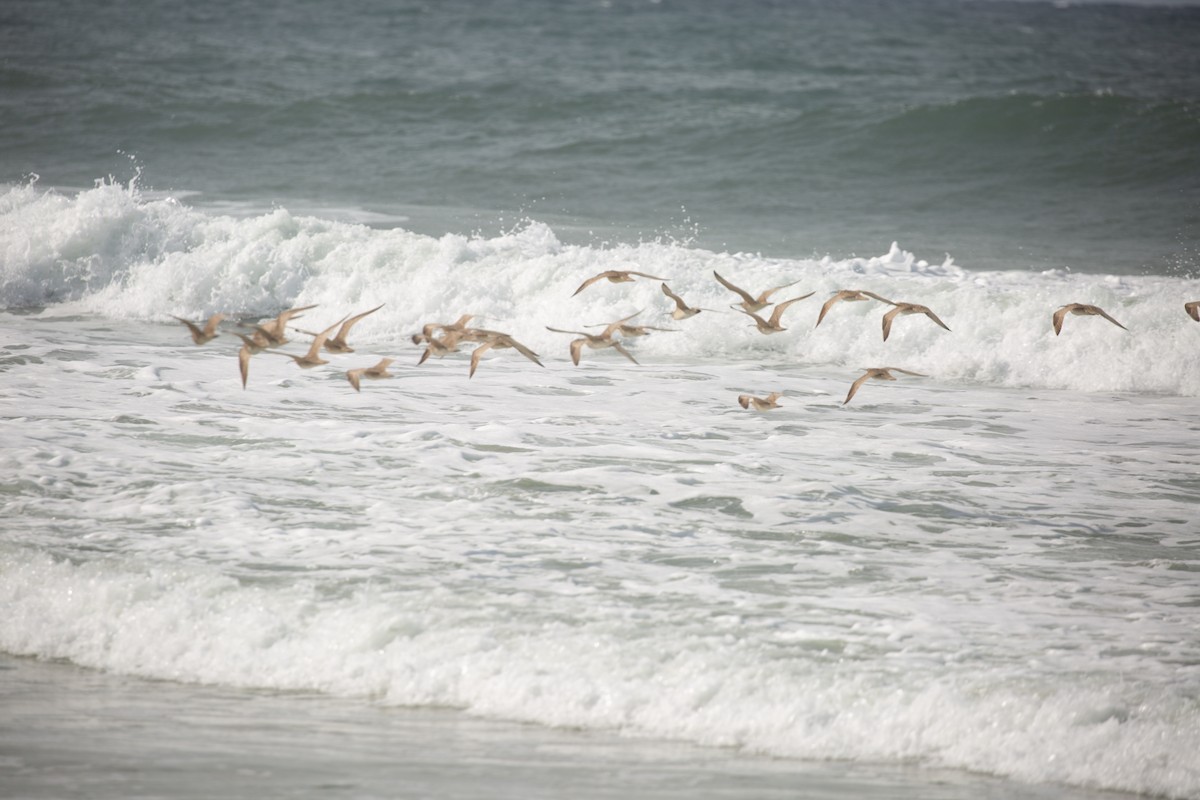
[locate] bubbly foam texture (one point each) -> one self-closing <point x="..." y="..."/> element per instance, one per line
<point x="111" y="251"/>
<point x="960" y="575"/>
<point x="437" y="648"/>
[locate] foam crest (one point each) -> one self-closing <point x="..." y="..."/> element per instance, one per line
<point x="713" y="686"/>
<point x="109" y="251"/>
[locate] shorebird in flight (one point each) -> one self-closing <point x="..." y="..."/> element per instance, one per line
<point x="205" y="334"/>
<point x="428" y="329"/>
<point x="439" y="346"/>
<point x="1081" y="310"/>
<point x="682" y="309"/>
<point x="337" y="344"/>
<point x="499" y="341"/>
<point x="313" y="357"/>
<point x="271" y="334"/>
<point x="597" y="341"/>
<point x="850" y="296"/>
<point x="250" y="347"/>
<point x="760" y="403"/>
<point x="632" y="331"/>
<point x="615" y="276"/>
<point x="750" y="303"/>
<point x="904" y="309"/>
<point x="768" y="326"/>
<point x="879" y="374"/>
<point x="1193" y="309"/>
<point x="611" y="328"/>
<point x="380" y="370"/>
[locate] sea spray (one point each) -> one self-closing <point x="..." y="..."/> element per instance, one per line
<point x="109" y="251"/>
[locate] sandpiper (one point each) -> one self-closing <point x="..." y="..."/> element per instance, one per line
<point x="760" y="403"/>
<point x="500" y="341"/>
<point x="879" y="374"/>
<point x="850" y="296"/>
<point x="632" y="331"/>
<point x="378" y="371"/>
<point x="205" y="334"/>
<point x="439" y="346"/>
<point x="904" y="309"/>
<point x="615" y="276"/>
<point x="272" y="333"/>
<point x="750" y="303"/>
<point x="313" y="357"/>
<point x="1081" y="310"/>
<point x="682" y="309"/>
<point x="597" y="341"/>
<point x="428" y="329"/>
<point x="250" y="346"/>
<point x="337" y="344"/>
<point x="768" y="326"/>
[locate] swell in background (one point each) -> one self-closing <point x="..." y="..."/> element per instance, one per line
<point x="1011" y="135"/>
<point x="112" y="251"/>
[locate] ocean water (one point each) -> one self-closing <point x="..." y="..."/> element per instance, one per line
<point x="1010" y="135"/>
<point x="605" y="579"/>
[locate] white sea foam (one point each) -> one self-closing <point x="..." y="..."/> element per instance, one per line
<point x="703" y="680"/>
<point x="974" y="579"/>
<point x="110" y="251"/>
<point x="947" y="571"/>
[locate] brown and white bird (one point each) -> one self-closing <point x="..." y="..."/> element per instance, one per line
<point x="380" y="370"/>
<point x="313" y="357"/>
<point x="429" y="328"/>
<point x="611" y="328"/>
<point x="205" y="334"/>
<point x="633" y="331"/>
<point x="1081" y="310"/>
<point x="768" y="326"/>
<point x="597" y="341"/>
<point x="337" y="343"/>
<point x="1193" y="309"/>
<point x="879" y="374"/>
<point x="760" y="403"/>
<point x="500" y="341"/>
<point x="250" y="347"/>
<point x="623" y="327"/>
<point x="615" y="276"/>
<point x="849" y="296"/>
<point x="749" y="302"/>
<point x="272" y="333"/>
<point x="904" y="309"/>
<point x="439" y="345"/>
<point x="682" y="309"/>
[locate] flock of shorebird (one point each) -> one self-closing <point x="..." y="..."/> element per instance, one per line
<point x="442" y="338"/>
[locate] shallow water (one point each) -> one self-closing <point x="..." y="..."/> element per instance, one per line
<point x="954" y="576"/>
<point x="976" y="580"/>
<point x="167" y="740"/>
